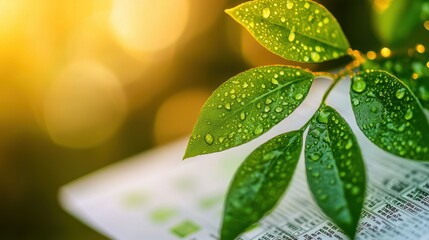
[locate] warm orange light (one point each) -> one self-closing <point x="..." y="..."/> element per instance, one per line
<point x="385" y="52"/>
<point x="149" y="26"/>
<point x="85" y="106"/>
<point x="426" y="24"/>
<point x="420" y="48"/>
<point x="11" y="14"/>
<point x="381" y="5"/>
<point x="356" y="63"/>
<point x="254" y="53"/>
<point x="371" y="55"/>
<point x="356" y="53"/>
<point x="184" y="108"/>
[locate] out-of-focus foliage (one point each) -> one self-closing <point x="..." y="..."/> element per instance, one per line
<point x="396" y="20"/>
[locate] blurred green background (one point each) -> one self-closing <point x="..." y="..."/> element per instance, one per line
<point x="85" y="83"/>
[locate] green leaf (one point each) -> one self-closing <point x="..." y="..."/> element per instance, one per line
<point x="390" y="115"/>
<point x="410" y="68"/>
<point x="247" y="106"/>
<point x="297" y="30"/>
<point x="259" y="183"/>
<point x="396" y="20"/>
<point x="335" y="170"/>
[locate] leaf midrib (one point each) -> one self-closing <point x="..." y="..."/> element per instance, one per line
<point x="285" y="152"/>
<point x="257" y="17"/>
<point x="343" y="187"/>
<point x="238" y="110"/>
<point x="304" y="35"/>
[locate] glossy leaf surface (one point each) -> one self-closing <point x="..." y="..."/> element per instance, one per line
<point x="390" y="115"/>
<point x="412" y="69"/>
<point x="247" y="106"/>
<point x="260" y="182"/>
<point x="335" y="170"/>
<point x="297" y="30"/>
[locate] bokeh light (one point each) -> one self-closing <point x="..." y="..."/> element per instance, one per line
<point x="177" y="114"/>
<point x="85" y="106"/>
<point x="11" y="15"/>
<point x="255" y="54"/>
<point x="381" y="5"/>
<point x="149" y="26"/>
<point x="385" y="52"/>
<point x="84" y="83"/>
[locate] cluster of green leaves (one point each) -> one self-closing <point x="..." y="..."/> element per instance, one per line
<point x="386" y="98"/>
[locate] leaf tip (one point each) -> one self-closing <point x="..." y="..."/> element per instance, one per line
<point x="229" y="11"/>
<point x="351" y="233"/>
<point x="186" y="155"/>
<point x="226" y="234"/>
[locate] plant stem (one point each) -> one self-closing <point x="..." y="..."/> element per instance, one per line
<point x="326" y="95"/>
<point x="337" y="77"/>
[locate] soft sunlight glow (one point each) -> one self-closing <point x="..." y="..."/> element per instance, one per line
<point x="385" y="52"/>
<point x="420" y="48"/>
<point x="177" y="115"/>
<point x="149" y="26"/>
<point x="11" y="14"/>
<point x="85" y="106"/>
<point x="381" y="5"/>
<point x="255" y="54"/>
<point x="371" y="55"/>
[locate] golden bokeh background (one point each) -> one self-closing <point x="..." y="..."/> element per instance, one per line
<point x="84" y="83"/>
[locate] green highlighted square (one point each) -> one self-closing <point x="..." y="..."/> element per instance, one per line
<point x="162" y="215"/>
<point x="134" y="200"/>
<point x="185" y="229"/>
<point x="210" y="202"/>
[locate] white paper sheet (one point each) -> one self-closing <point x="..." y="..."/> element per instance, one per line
<point x="156" y="195"/>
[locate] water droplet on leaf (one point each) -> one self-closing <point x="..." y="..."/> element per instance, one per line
<point x="315" y="56"/>
<point x="315" y="174"/>
<point x="355" y="190"/>
<point x="314" y="157"/>
<point x="279" y="109"/>
<point x="409" y="114"/>
<point x="267" y="109"/>
<point x="228" y="106"/>
<point x="349" y="144"/>
<point x="359" y="85"/>
<point x="258" y="130"/>
<point x="209" y="139"/>
<point x="299" y="96"/>
<point x="400" y="93"/>
<point x="291" y="37"/>
<point x="323" y="117"/>
<point x="266" y="13"/>
<point x="323" y="197"/>
<point x="274" y="81"/>
<point x="242" y="116"/>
